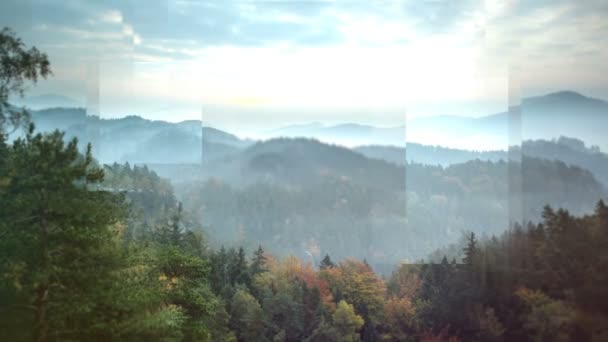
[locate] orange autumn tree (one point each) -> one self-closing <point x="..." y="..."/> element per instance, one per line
<point x="294" y="298"/>
<point x="405" y="282"/>
<point x="292" y="268"/>
<point x="400" y="310"/>
<point x="400" y="318"/>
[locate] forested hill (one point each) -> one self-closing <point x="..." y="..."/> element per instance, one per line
<point x="427" y="154"/>
<point x="301" y="161"/>
<point x="294" y="191"/>
<point x="568" y="150"/>
<point x="298" y="192"/>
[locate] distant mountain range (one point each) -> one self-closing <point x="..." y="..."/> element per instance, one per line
<point x="139" y="140"/>
<point x="564" y="113"/>
<point x="48" y="101"/>
<point x="347" y="134"/>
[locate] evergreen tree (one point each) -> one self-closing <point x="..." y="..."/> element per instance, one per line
<point x="219" y="271"/>
<point x="55" y="229"/>
<point x="239" y="270"/>
<point x="470" y="251"/>
<point x="601" y="211"/>
<point x="326" y="262"/>
<point x="18" y="66"/>
<point x="170" y="230"/>
<point x="176" y="237"/>
<point x="258" y="262"/>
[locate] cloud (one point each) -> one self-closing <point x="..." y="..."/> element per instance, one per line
<point x="201" y="24"/>
<point x="433" y="16"/>
<point x="328" y="52"/>
<point x="251" y="24"/>
<point x="112" y="16"/>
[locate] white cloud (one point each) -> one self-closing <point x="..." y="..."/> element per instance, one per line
<point x="331" y="55"/>
<point x="127" y="30"/>
<point x="112" y="16"/>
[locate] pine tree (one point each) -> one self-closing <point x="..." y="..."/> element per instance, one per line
<point x="326" y="262"/>
<point x="4" y="167"/>
<point x="601" y="211"/>
<point x="55" y="229"/>
<point x="258" y="262"/>
<point x="239" y="271"/>
<point x="470" y="251"/>
<point x="176" y="237"/>
<point x="219" y="270"/>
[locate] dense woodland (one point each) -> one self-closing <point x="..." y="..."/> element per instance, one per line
<point x="92" y="252"/>
<point x="303" y="195"/>
<point x="78" y="266"/>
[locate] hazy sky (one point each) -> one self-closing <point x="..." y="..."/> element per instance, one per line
<point x="270" y="62"/>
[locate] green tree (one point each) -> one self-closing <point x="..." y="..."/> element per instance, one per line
<point x="55" y="228"/>
<point x="220" y="273"/>
<point x="357" y="283"/>
<point x="546" y="319"/>
<point x="170" y="230"/>
<point x="238" y="269"/>
<point x="184" y="275"/>
<point x="247" y="317"/>
<point x="258" y="262"/>
<point x="347" y="322"/>
<point x="342" y="326"/>
<point x="18" y="65"/>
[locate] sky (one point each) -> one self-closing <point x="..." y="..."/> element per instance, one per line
<point x="261" y="64"/>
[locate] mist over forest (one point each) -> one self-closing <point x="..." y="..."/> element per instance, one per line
<point x="302" y="195"/>
<point x="123" y="217"/>
<point x="307" y="195"/>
